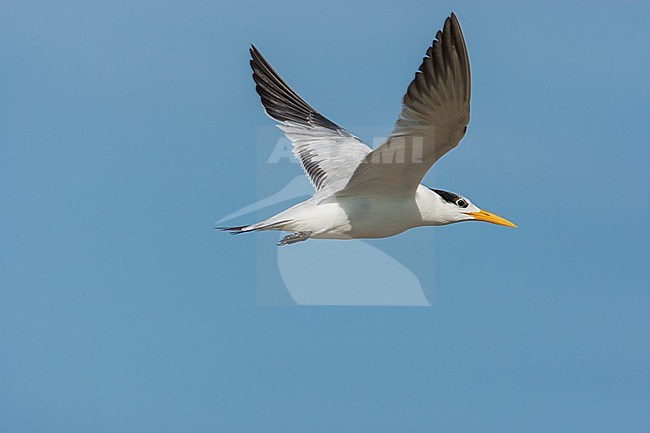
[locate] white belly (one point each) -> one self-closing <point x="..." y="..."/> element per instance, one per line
<point x="355" y="217"/>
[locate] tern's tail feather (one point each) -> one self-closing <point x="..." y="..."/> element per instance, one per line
<point x="233" y="230"/>
<point x="264" y="225"/>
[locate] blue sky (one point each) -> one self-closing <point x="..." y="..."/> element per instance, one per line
<point x="128" y="128"/>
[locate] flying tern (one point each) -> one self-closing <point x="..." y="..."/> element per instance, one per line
<point x="366" y="193"/>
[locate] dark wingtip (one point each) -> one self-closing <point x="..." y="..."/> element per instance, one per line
<point x="456" y="30"/>
<point x="453" y="16"/>
<point x="279" y="100"/>
<point x="255" y="55"/>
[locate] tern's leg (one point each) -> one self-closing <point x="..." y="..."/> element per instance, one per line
<point x="293" y="238"/>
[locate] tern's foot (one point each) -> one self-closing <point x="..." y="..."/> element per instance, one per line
<point x="293" y="238"/>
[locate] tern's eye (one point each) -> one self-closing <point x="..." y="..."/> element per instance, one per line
<point x="461" y="203"/>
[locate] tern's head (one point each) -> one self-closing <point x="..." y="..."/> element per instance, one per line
<point x="452" y="207"/>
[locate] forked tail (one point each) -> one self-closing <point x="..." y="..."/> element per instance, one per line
<point x="233" y="230"/>
<point x="264" y="225"/>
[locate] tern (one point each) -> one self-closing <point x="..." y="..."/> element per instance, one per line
<point x="366" y="193"/>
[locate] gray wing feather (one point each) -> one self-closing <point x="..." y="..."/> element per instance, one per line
<point x="328" y="153"/>
<point x="434" y="118"/>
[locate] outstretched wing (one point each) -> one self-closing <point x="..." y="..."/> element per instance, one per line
<point x="434" y="118"/>
<point x="328" y="153"/>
